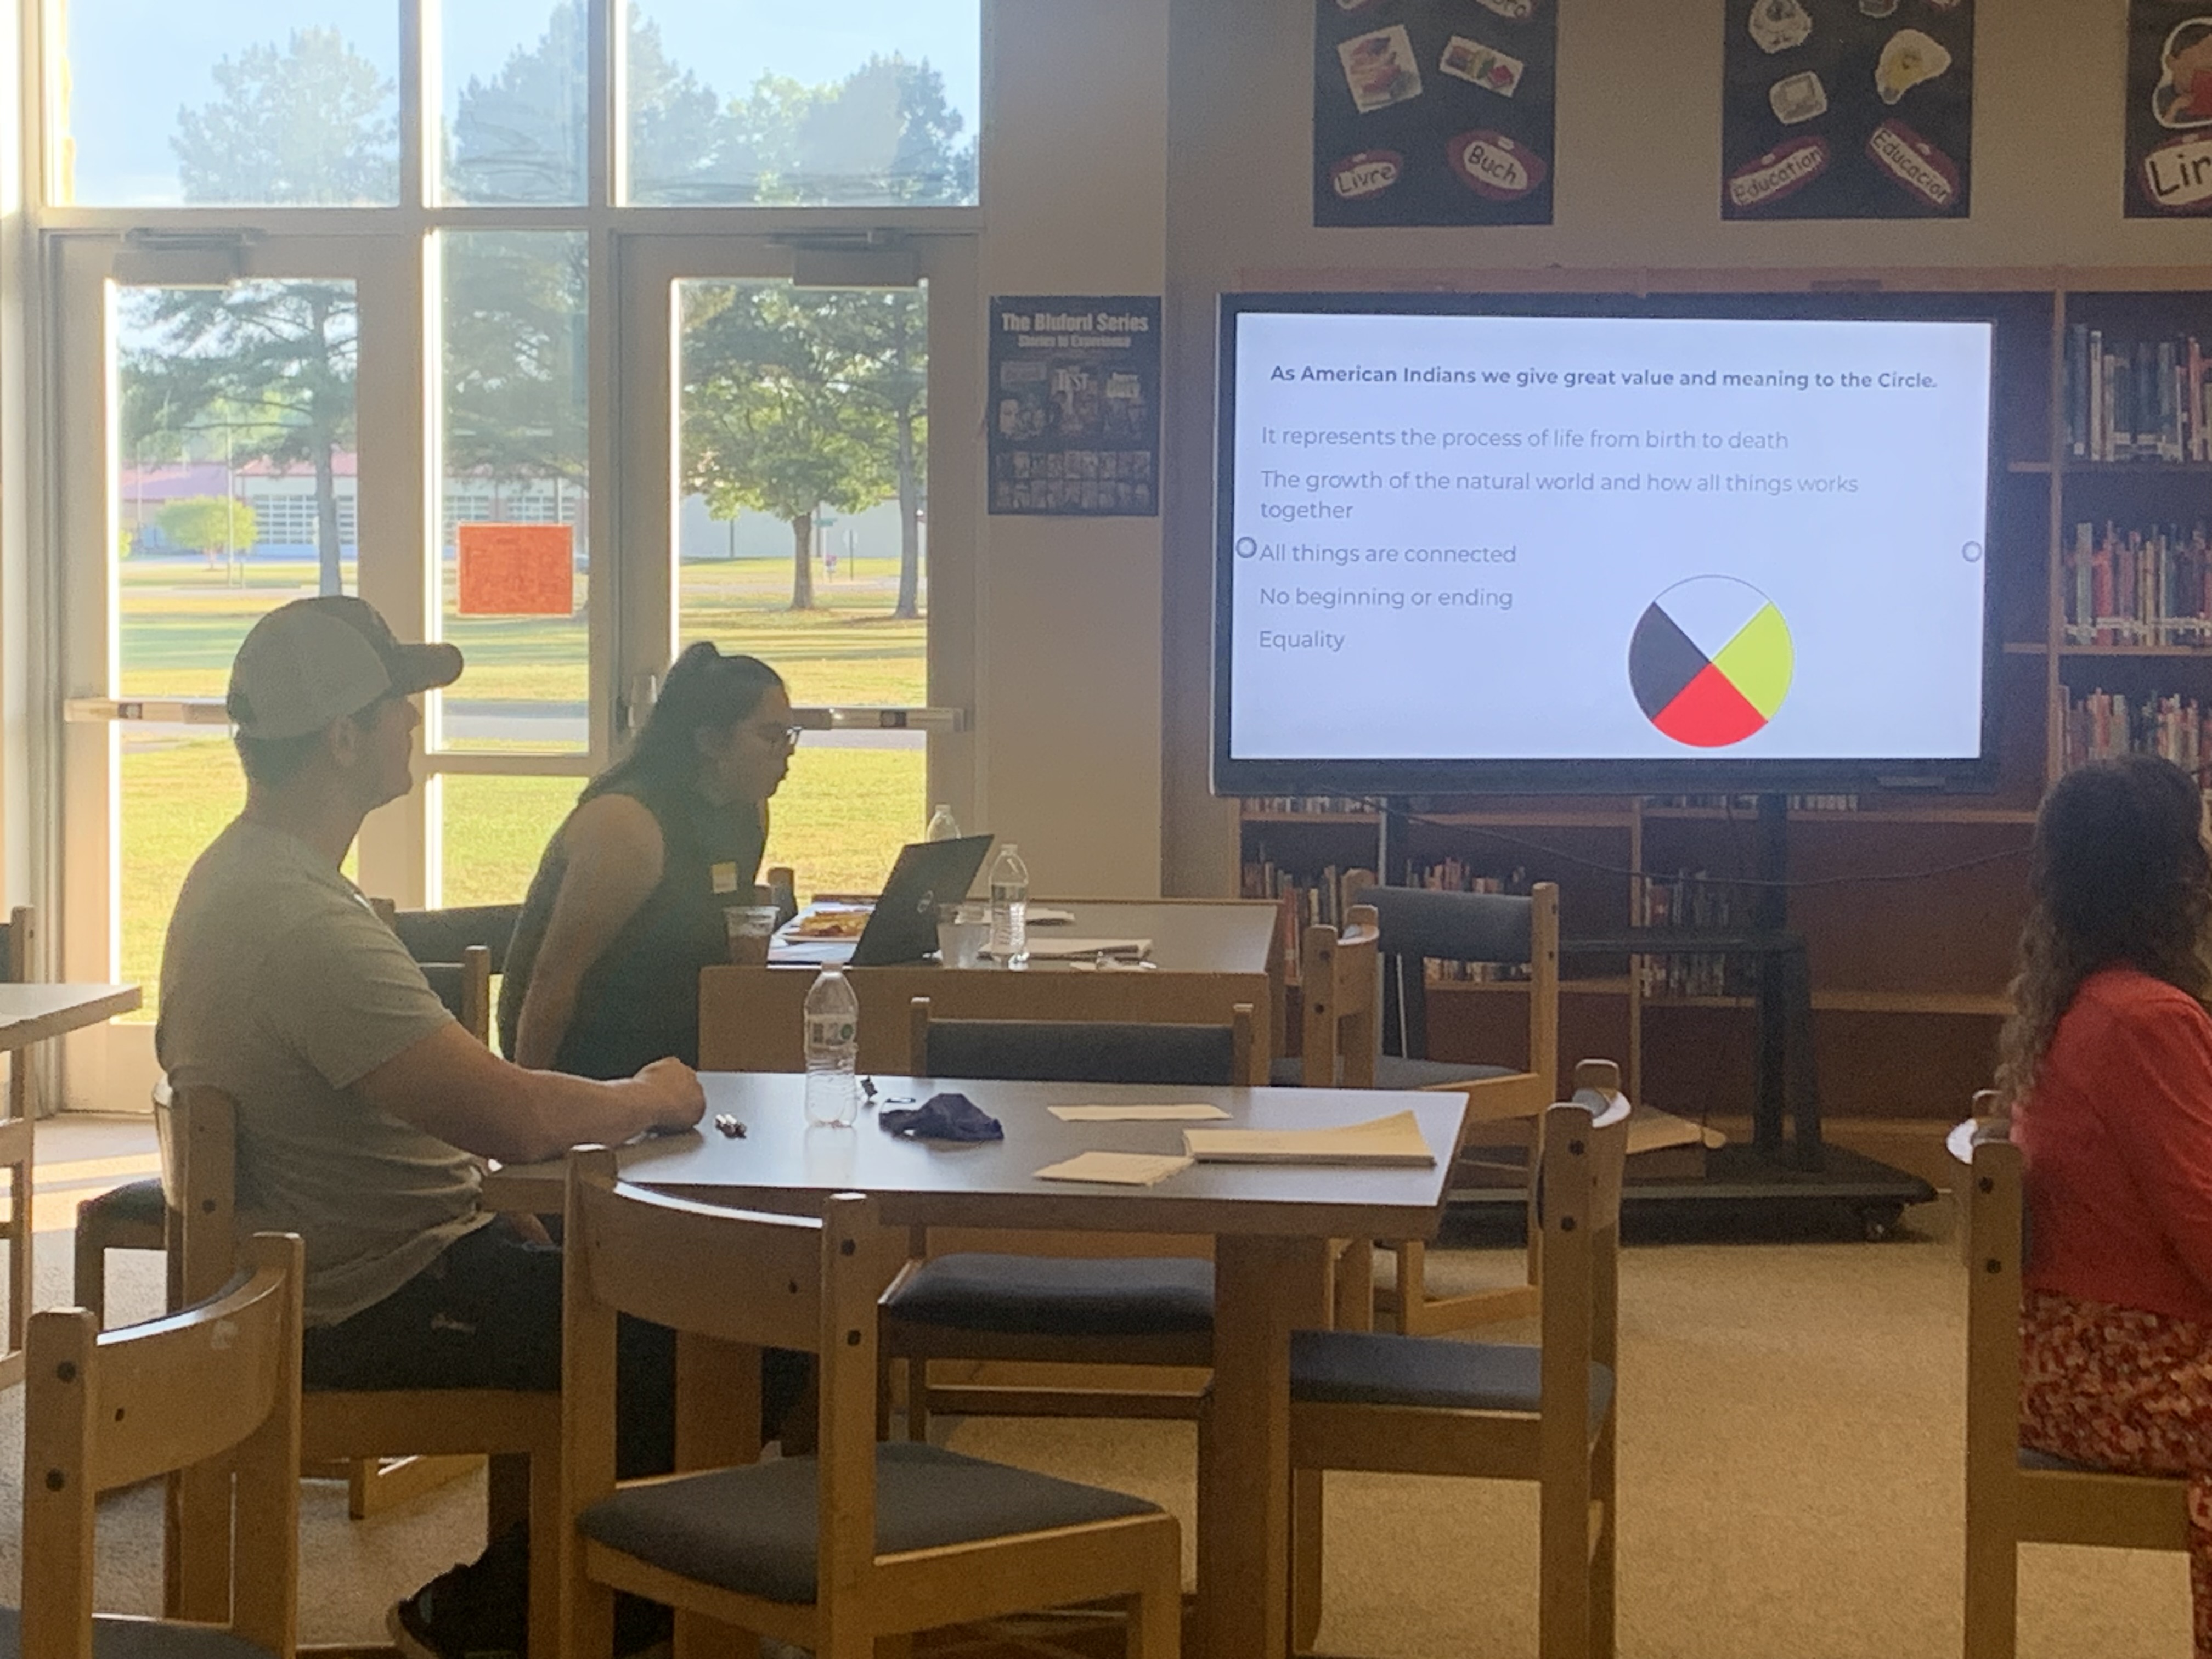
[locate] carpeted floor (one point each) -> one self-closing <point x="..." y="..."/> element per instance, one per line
<point x="1790" y="1485"/>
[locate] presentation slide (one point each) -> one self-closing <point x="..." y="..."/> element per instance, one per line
<point x="1525" y="538"/>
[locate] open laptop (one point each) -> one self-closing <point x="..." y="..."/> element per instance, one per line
<point x="902" y="927"/>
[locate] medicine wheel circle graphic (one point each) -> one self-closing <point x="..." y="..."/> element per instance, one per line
<point x="1710" y="661"/>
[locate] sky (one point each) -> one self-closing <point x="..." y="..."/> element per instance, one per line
<point x="133" y="63"/>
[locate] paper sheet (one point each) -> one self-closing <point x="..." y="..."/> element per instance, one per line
<point x="1117" y="1169"/>
<point x="1196" y="1112"/>
<point x="1046" y="915"/>
<point x="1395" y="1139"/>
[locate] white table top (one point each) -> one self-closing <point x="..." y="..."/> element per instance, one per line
<point x="31" y="1013"/>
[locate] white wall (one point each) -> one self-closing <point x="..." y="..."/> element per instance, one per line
<point x="1635" y="166"/>
<point x="1068" y="667"/>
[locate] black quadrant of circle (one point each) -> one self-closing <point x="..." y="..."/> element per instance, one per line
<point x="1660" y="661"/>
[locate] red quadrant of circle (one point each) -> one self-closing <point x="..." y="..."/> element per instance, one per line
<point x="1709" y="712"/>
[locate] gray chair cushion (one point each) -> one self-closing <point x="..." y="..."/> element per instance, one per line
<point x="140" y="1638"/>
<point x="753" y="1529"/>
<point x="1362" y="1368"/>
<point x="1394" y="1072"/>
<point x="1397" y="1072"/>
<point x="1083" y="1051"/>
<point x="1058" y="1296"/>
<point x="136" y="1202"/>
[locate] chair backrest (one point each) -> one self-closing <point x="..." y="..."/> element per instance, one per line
<point x="221" y="1379"/>
<point x="728" y="1276"/>
<point x="1996" y="1236"/>
<point x="198" y="1133"/>
<point x="18" y="940"/>
<point x="1083" y="1051"/>
<point x="1417" y="924"/>
<point x="465" y="987"/>
<point x="1339" y="991"/>
<point x="1583" y="1152"/>
<point x="445" y="935"/>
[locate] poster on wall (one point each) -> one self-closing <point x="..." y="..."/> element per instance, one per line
<point x="2169" y="108"/>
<point x="1075" y="404"/>
<point x="1434" y="111"/>
<point x="1847" y="109"/>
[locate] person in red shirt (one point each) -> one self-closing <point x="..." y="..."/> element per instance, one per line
<point x="2105" y="1066"/>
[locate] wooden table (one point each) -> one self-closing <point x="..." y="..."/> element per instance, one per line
<point x="1208" y="955"/>
<point x="1271" y="1226"/>
<point x="29" y="1014"/>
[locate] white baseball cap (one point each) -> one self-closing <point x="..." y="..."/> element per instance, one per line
<point x="318" y="659"/>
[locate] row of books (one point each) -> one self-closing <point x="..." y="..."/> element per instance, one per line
<point x="1692" y="899"/>
<point x="1307" y="896"/>
<point x="2136" y="400"/>
<point x="1353" y="805"/>
<point x="1748" y="805"/>
<point x="2137" y="587"/>
<point x="1309" y="806"/>
<point x="2103" y="723"/>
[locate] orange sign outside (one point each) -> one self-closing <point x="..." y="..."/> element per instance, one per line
<point x="517" y="569"/>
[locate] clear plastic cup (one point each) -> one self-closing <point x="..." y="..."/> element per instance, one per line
<point x="750" y="927"/>
<point x="962" y="931"/>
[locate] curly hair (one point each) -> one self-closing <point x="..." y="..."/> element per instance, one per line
<point x="2118" y="874"/>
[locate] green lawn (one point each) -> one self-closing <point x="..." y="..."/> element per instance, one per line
<point x="840" y="819"/>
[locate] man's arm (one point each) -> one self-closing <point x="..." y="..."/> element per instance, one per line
<point x="613" y="852"/>
<point x="449" y="1085"/>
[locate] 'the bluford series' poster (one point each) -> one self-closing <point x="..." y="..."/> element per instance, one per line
<point x="1434" y="111"/>
<point x="2169" y="125"/>
<point x="1075" y="404"/>
<point x="1847" y="109"/>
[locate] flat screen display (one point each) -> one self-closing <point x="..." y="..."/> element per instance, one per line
<point x="1635" y="546"/>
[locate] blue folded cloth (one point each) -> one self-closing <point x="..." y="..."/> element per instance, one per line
<point x="943" y="1117"/>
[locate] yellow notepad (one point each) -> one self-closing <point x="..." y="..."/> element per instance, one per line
<point x="1395" y="1139"/>
<point x="1116" y="1169"/>
<point x="1196" y="1112"/>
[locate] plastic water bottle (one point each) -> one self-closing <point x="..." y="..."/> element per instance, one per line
<point x="943" y="826"/>
<point x="1010" y="909"/>
<point x="833" y="1049"/>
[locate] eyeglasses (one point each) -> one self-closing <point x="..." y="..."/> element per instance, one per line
<point x="785" y="736"/>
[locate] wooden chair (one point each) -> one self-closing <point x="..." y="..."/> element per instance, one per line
<point x="519" y="1430"/>
<point x="1409" y="1405"/>
<point x="132" y="1217"/>
<point x="1417" y="925"/>
<point x="830" y="1551"/>
<point x="18" y="942"/>
<point x="1049" y="1302"/>
<point x="218" y="1382"/>
<point x="2016" y="1497"/>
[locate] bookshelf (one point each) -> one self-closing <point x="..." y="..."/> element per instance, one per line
<point x="2100" y="574"/>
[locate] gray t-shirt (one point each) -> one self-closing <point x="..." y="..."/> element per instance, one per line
<point x="280" y="987"/>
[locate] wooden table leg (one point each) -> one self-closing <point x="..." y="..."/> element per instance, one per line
<point x="1264" y="1288"/>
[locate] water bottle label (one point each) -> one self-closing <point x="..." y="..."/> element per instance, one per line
<point x="828" y="1031"/>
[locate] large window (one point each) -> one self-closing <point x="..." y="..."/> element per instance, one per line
<point x="307" y="346"/>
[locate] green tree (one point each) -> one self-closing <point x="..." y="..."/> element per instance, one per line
<point x="521" y="137"/>
<point x="307" y="123"/>
<point x="771" y="418"/>
<point x="884" y="133"/>
<point x="883" y="334"/>
<point x="272" y="363"/>
<point x="208" y="524"/>
<point x="516" y="403"/>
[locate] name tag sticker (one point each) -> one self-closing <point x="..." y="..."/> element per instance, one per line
<point x="725" y="877"/>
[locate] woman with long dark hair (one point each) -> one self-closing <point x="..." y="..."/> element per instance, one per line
<point x="627" y="904"/>
<point x="2105" y="1066"/>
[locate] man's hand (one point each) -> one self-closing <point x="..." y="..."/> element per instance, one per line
<point x="678" y="1101"/>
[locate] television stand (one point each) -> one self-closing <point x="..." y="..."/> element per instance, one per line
<point x="1780" y="1179"/>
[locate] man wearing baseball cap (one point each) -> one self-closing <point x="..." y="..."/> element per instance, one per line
<point x="363" y="1106"/>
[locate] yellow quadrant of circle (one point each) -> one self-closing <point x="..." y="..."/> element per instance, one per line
<point x="1759" y="661"/>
